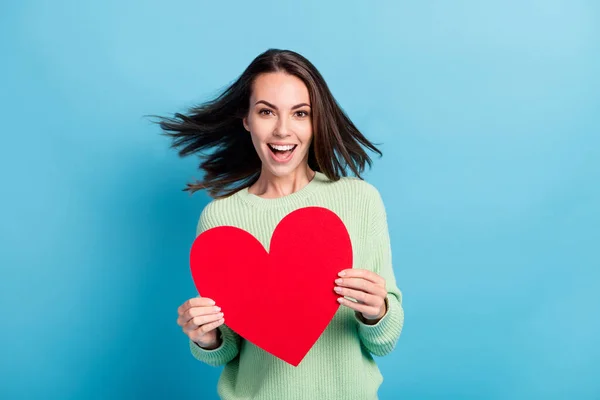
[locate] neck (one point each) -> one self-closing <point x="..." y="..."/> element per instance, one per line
<point x="270" y="186"/>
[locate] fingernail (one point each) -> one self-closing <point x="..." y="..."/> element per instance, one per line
<point x="340" y="299"/>
<point x="220" y="314"/>
<point x="212" y="302"/>
<point x="217" y="308"/>
<point x="337" y="289"/>
<point x="342" y="273"/>
<point x="338" y="281"/>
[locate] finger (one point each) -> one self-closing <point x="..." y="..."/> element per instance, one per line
<point x="195" y="302"/>
<point x="361" y="308"/>
<point x="362" y="285"/>
<point x="197" y="322"/>
<point x="361" y="297"/>
<point x="204" y="329"/>
<point x="196" y="312"/>
<point x="362" y="273"/>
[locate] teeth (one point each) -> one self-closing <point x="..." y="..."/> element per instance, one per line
<point x="282" y="148"/>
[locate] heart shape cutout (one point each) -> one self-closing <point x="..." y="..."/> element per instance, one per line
<point x="281" y="300"/>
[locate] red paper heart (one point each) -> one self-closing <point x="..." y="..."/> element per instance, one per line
<point x="281" y="301"/>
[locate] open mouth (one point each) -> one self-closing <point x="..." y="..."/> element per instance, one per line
<point x="282" y="152"/>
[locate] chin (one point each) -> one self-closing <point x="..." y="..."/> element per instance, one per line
<point x="281" y="171"/>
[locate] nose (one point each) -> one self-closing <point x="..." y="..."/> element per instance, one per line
<point x="282" y="128"/>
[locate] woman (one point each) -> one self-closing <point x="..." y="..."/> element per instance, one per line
<point x="278" y="141"/>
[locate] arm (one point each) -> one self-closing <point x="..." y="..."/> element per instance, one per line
<point x="380" y="337"/>
<point x="228" y="346"/>
<point x="227" y="350"/>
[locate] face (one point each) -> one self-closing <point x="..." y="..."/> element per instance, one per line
<point x="279" y="122"/>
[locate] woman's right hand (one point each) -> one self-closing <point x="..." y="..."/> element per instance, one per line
<point x="199" y="318"/>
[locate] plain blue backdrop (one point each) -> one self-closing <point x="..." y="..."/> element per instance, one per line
<point x="488" y="114"/>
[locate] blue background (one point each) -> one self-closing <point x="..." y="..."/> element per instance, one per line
<point x="488" y="115"/>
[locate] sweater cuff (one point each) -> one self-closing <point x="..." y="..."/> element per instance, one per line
<point x="226" y="351"/>
<point x="383" y="335"/>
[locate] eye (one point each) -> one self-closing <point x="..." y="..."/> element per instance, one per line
<point x="302" y="114"/>
<point x="265" y="111"/>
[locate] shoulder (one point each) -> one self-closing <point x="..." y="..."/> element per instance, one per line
<point x="215" y="212"/>
<point x="357" y="188"/>
<point x="365" y="197"/>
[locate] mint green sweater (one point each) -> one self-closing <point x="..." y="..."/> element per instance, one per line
<point x="340" y="365"/>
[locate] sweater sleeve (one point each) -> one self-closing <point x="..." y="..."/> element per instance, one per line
<point x="380" y="339"/>
<point x="227" y="351"/>
<point x="230" y="341"/>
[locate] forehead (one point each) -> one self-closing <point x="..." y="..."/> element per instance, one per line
<point x="280" y="88"/>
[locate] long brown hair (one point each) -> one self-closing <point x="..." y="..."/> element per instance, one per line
<point x="214" y="130"/>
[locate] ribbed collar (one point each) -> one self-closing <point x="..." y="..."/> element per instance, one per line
<point x="291" y="199"/>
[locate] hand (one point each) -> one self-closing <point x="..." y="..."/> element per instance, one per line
<point x="367" y="288"/>
<point x="200" y="317"/>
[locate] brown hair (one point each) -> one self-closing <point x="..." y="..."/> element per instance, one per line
<point x="232" y="162"/>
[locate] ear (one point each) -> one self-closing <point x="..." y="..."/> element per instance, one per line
<point x="245" y="122"/>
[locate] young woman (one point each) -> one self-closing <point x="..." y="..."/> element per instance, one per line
<point x="275" y="141"/>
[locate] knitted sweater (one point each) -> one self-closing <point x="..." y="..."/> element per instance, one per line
<point x="340" y="365"/>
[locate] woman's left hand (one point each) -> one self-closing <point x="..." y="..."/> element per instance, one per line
<point x="367" y="288"/>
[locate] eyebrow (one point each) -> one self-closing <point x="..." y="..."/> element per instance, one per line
<point x="275" y="107"/>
